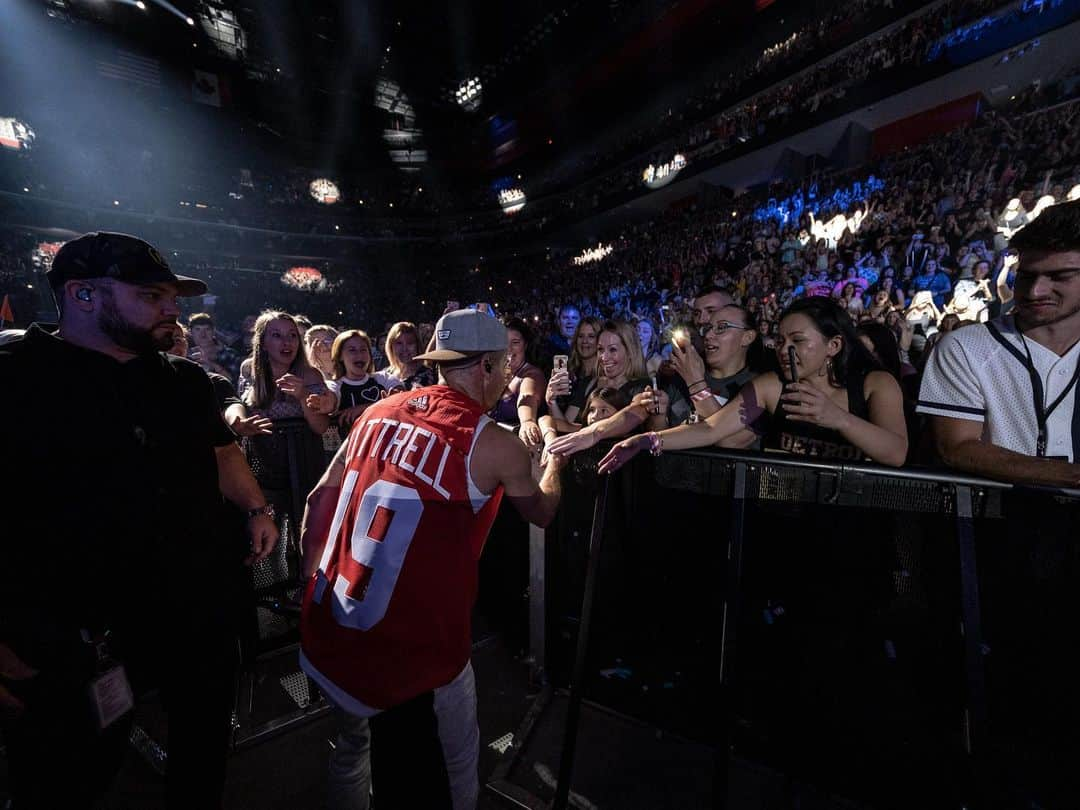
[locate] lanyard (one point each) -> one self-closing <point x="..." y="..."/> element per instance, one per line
<point x="1042" y="413"/>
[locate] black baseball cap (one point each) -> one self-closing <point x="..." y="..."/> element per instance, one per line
<point x="119" y="256"/>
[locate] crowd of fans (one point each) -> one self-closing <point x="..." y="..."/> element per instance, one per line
<point x="921" y="255"/>
<point x="923" y="252"/>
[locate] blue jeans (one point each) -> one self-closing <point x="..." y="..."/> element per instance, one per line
<point x="423" y="753"/>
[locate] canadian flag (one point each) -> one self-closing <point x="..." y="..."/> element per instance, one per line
<point x="208" y="88"/>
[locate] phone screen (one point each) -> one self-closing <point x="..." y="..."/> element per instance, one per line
<point x="560" y="362"/>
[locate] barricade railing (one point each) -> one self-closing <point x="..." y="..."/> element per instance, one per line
<point x="273" y="693"/>
<point x="901" y="637"/>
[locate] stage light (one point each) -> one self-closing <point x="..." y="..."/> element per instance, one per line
<point x="469" y="94"/>
<point x="511" y="200"/>
<point x="115" y="202"/>
<point x="16" y="135"/>
<point x="658" y="176"/>
<point x="139" y="4"/>
<point x="305" y="279"/>
<point x="324" y="191"/>
<point x="595" y="254"/>
<point x="223" y="29"/>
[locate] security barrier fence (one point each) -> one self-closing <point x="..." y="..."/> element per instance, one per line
<point x="896" y="637"/>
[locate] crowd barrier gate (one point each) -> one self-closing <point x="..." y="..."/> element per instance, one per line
<point x="854" y="610"/>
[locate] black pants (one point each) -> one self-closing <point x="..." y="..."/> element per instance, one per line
<point x="57" y="758"/>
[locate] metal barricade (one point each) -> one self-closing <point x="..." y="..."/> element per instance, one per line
<point x="274" y="694"/>
<point x="823" y="621"/>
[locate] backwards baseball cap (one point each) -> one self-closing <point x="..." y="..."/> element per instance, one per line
<point x="464" y="333"/>
<point x="118" y="256"/>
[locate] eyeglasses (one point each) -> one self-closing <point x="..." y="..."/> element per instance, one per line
<point x="719" y="326"/>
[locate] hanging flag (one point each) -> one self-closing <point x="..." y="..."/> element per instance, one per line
<point x="6" y="315"/>
<point x="206" y="88"/>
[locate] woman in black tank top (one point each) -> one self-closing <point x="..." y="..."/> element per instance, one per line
<point x="843" y="407"/>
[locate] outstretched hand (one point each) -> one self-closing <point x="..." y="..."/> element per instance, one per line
<point x="254" y="425"/>
<point x="618" y="455"/>
<point x="572" y="443"/>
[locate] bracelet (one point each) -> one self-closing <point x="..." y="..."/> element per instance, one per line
<point x="699" y="382"/>
<point x="702" y="395"/>
<point x="266" y="509"/>
<point x="656" y="443"/>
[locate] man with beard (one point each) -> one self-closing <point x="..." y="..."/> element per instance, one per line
<point x="126" y="451"/>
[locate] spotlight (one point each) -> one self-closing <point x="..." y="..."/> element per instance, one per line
<point x="469" y="94"/>
<point x="189" y="21"/>
<point x="139" y="4"/>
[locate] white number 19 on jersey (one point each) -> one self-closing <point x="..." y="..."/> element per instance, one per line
<point x="382" y="533"/>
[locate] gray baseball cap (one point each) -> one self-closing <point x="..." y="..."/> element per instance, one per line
<point x="465" y="333"/>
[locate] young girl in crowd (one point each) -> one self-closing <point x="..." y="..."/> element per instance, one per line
<point x="604" y="403"/>
<point x="355" y="386"/>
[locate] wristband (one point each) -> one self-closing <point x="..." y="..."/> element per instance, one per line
<point x="699" y="382"/>
<point x="656" y="443"/>
<point x="702" y="395"/>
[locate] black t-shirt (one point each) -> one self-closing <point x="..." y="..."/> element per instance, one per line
<point x="804" y="439"/>
<point x="724" y="389"/>
<point x="112" y="507"/>
<point x="351" y="394"/>
<point x="224" y="391"/>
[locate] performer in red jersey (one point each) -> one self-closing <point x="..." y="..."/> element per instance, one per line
<point x="392" y="535"/>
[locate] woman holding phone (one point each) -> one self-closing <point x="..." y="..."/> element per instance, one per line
<point x="568" y="387"/>
<point x="831" y="400"/>
<point x="622" y="367"/>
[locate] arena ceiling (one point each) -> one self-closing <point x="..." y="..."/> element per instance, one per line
<point x="545" y="76"/>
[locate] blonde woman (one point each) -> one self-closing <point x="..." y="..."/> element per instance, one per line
<point x="402" y="345"/>
<point x="622" y="367"/>
<point x="582" y="362"/>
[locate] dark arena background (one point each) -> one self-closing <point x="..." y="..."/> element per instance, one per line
<point x="707" y="628"/>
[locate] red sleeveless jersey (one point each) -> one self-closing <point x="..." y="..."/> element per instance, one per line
<point x="387" y="615"/>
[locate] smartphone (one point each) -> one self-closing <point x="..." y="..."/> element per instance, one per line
<point x="792" y="368"/>
<point x="560" y="362"/>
